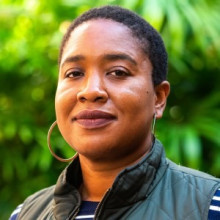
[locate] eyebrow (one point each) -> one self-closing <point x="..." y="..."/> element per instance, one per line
<point x="119" y="56"/>
<point x="73" y="59"/>
<point x="108" y="57"/>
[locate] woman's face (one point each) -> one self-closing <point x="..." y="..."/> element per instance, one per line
<point x="105" y="99"/>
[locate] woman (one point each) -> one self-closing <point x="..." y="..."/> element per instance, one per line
<point x="111" y="88"/>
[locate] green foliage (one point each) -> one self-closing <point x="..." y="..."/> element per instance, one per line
<point x="30" y="35"/>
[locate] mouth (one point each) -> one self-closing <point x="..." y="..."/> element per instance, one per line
<point x="92" y="119"/>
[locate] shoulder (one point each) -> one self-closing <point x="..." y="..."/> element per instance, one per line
<point x="189" y="188"/>
<point x="44" y="194"/>
<point x="188" y="173"/>
<point x="192" y="181"/>
<point x="42" y="198"/>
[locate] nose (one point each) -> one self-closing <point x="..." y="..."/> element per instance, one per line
<point x="93" y="90"/>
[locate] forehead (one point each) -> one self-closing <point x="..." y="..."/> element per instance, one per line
<point x="100" y="36"/>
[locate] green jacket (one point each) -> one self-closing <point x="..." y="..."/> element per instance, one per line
<point x="155" y="188"/>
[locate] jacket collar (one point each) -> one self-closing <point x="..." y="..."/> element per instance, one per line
<point x="133" y="184"/>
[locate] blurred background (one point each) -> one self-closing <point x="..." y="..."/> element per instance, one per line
<point x="30" y="35"/>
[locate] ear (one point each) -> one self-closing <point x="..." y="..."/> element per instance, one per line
<point x="161" y="91"/>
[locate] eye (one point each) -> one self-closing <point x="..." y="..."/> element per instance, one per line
<point x="74" y="74"/>
<point x="118" y="73"/>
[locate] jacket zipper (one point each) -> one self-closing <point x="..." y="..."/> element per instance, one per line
<point x="76" y="210"/>
<point x="73" y="214"/>
<point x="100" y="205"/>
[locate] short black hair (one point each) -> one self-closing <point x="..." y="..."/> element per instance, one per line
<point x="150" y="40"/>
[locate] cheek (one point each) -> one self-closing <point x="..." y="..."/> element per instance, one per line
<point x="136" y="98"/>
<point x="64" y="101"/>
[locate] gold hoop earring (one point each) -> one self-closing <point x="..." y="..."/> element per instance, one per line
<point x="50" y="148"/>
<point x="154" y="123"/>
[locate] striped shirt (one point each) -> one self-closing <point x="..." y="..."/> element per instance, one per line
<point x="87" y="209"/>
<point x="15" y="213"/>
<point x="214" y="208"/>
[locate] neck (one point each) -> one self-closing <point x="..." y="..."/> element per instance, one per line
<point x="96" y="182"/>
<point x="98" y="176"/>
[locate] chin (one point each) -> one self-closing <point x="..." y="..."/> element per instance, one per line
<point x="94" y="150"/>
<point x="95" y="155"/>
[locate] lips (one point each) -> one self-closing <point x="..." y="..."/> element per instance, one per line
<point x="91" y="119"/>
